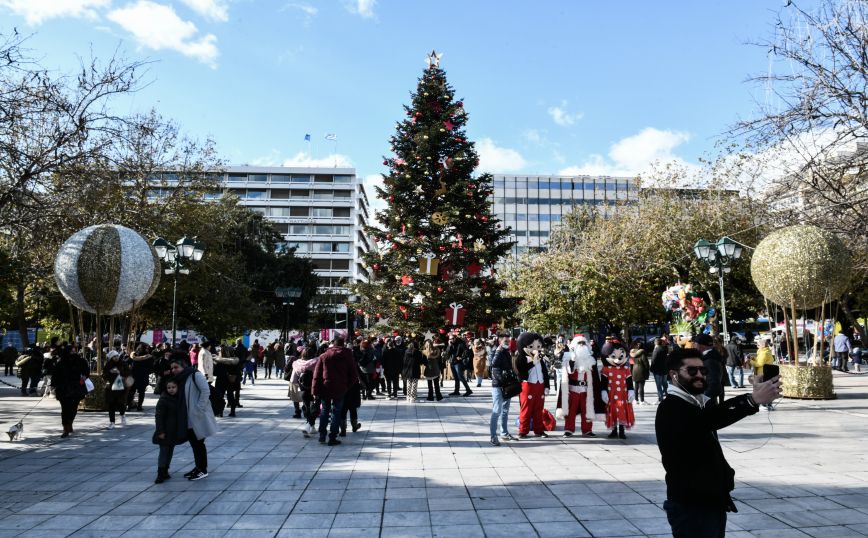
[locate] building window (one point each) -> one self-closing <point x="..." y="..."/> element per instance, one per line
<point x="298" y="211"/>
<point x="322" y="195"/>
<point x="253" y="194"/>
<point x="320" y="178"/>
<point x="237" y="177"/>
<point x="281" y="227"/>
<point x="343" y="194"/>
<point x="280" y="178"/>
<point x="278" y="211"/>
<point x="343" y="179"/>
<point x="300" y="179"/>
<point x="279" y="194"/>
<point x="343" y="212"/>
<point x="340" y="265"/>
<point x="320" y="212"/>
<point x="260" y="210"/>
<point x="299" y="193"/>
<point x="258" y="177"/>
<point x="300" y="229"/>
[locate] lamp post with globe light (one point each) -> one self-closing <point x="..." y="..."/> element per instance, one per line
<point x="177" y="257"/>
<point x="719" y="257"/>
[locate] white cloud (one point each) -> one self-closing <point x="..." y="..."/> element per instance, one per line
<point x="37" y="11"/>
<point x="495" y="159"/>
<point x="533" y="136"/>
<point x="158" y="27"/>
<point x="365" y="8"/>
<point x="634" y="154"/>
<point x="308" y="10"/>
<point x="215" y="10"/>
<point x="305" y="159"/>
<point x="563" y="118"/>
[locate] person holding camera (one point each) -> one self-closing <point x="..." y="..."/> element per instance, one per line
<point x="686" y="426"/>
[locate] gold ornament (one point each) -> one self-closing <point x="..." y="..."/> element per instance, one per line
<point x="801" y="263"/>
<point x="488" y="311"/>
<point x="442" y="189"/>
<point x="379" y="297"/>
<point x="438" y="218"/>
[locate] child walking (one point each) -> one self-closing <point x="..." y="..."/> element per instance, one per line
<point x="166" y="433"/>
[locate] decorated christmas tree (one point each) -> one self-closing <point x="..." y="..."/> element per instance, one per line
<point x="437" y="242"/>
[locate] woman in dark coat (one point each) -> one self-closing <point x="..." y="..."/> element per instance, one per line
<point x="115" y="373"/>
<point x="413" y="360"/>
<point x="67" y="380"/>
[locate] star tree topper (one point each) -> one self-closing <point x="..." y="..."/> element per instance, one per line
<point x="433" y="59"/>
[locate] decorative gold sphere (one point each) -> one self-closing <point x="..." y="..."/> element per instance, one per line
<point x="802" y="264"/>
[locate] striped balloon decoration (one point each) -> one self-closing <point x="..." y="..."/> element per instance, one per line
<point x="107" y="269"/>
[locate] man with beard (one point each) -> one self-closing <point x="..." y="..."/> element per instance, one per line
<point x="698" y="478"/>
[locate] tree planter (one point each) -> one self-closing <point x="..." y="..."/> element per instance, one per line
<point x="807" y="382"/>
<point x="95" y="399"/>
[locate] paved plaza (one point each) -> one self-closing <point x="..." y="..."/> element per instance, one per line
<point x="422" y="470"/>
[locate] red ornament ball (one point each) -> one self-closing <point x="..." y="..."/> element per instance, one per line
<point x="439" y="289"/>
<point x="418" y="114"/>
<point x="442" y="248"/>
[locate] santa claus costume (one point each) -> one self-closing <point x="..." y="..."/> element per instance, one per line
<point x="617" y="388"/>
<point x="534" y="378"/>
<point x="576" y="392"/>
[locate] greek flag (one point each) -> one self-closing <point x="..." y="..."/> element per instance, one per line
<point x="331" y="136"/>
<point x="307" y="138"/>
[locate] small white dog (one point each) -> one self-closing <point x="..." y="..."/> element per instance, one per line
<point x="16" y="432"/>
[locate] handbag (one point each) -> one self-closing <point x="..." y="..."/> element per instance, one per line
<point x="88" y="384"/>
<point x="510" y="384"/>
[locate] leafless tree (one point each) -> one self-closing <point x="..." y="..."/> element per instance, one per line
<point x="812" y="129"/>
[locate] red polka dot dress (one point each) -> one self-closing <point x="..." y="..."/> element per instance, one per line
<point x="618" y="380"/>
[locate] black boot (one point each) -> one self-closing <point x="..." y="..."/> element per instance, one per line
<point x="621" y="433"/>
<point x="614" y="434"/>
<point x="162" y="475"/>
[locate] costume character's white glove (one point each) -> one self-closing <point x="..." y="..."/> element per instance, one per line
<point x="605" y="396"/>
<point x="631" y="396"/>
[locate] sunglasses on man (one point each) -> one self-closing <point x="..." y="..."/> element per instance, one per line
<point x="693" y="370"/>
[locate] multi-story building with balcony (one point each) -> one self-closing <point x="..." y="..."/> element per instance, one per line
<point x="533" y="205"/>
<point x="321" y="212"/>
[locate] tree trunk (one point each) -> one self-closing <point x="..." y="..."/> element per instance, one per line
<point x="21" y="315"/>
<point x="850" y="317"/>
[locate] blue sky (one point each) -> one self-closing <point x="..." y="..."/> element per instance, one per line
<point x="550" y="86"/>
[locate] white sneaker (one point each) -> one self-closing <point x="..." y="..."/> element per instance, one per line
<point x="111" y="425"/>
<point x="123" y="420"/>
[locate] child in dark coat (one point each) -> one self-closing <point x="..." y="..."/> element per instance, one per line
<point x="166" y="433"/>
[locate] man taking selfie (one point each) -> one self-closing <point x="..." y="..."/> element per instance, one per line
<point x="698" y="478"/>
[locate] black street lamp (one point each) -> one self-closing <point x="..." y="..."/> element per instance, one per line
<point x="719" y="257"/>
<point x="185" y="251"/>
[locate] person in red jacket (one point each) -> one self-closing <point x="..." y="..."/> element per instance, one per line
<point x="334" y="374"/>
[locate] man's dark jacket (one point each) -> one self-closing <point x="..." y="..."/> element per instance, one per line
<point x="714" y="362"/>
<point x="697" y="474"/>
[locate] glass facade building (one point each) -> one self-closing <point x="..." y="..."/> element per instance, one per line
<point x="533" y="205"/>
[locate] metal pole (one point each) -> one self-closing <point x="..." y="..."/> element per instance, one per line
<point x="722" y="304"/>
<point x="174" y="303"/>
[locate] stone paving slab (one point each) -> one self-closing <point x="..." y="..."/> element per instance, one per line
<point x="423" y="470"/>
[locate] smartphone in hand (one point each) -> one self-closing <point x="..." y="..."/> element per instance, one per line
<point x="770" y="371"/>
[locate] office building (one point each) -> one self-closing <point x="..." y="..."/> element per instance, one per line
<point x="533" y="205"/>
<point x="321" y="212"/>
